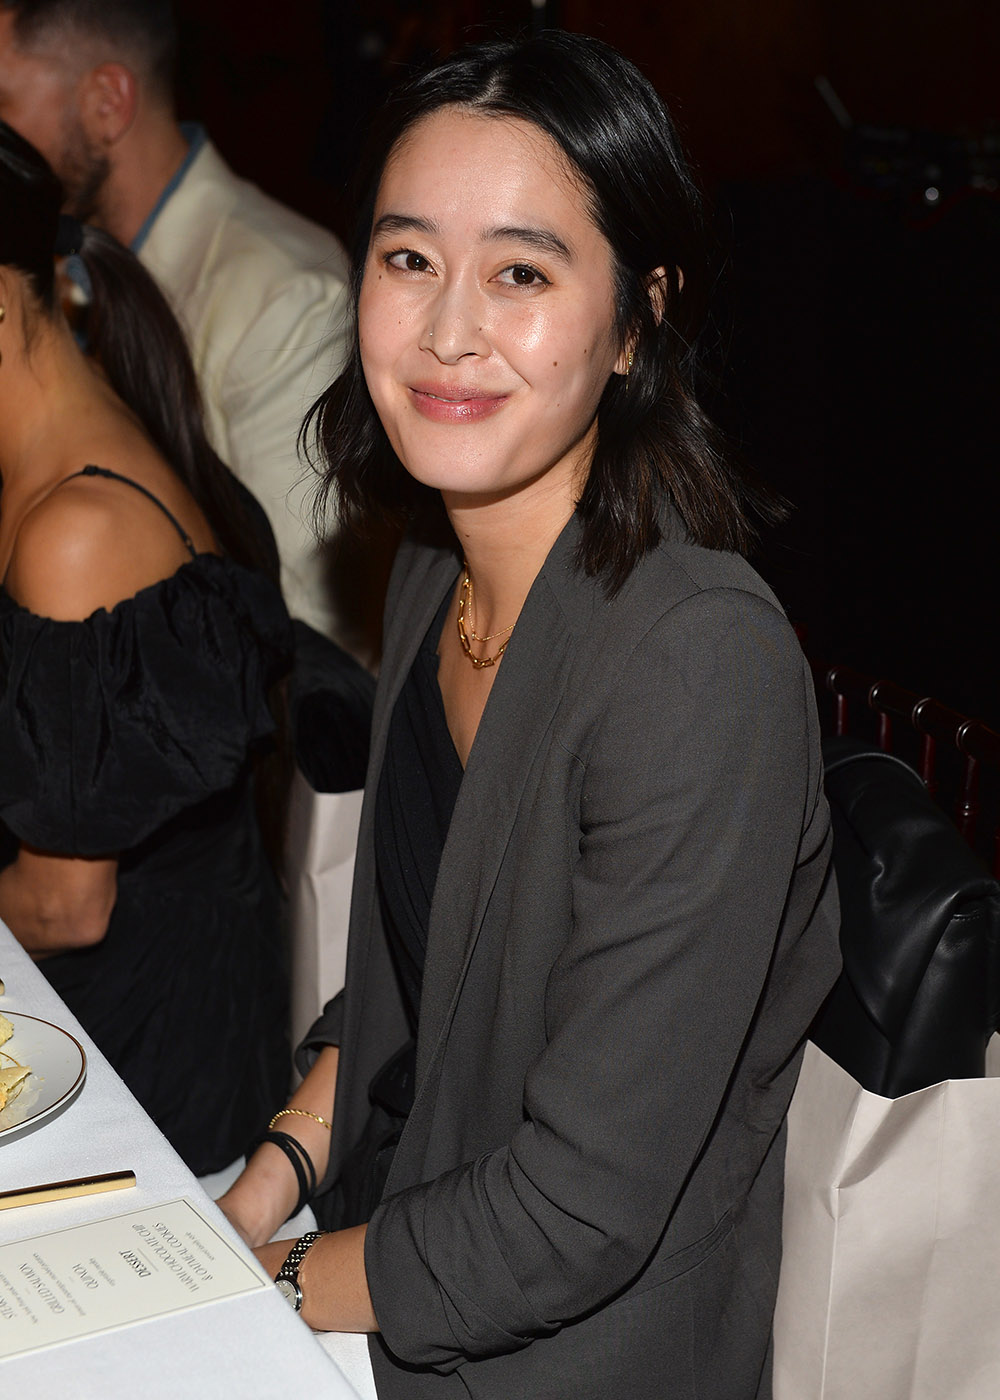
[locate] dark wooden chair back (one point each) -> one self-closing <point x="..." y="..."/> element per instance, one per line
<point x="952" y="752"/>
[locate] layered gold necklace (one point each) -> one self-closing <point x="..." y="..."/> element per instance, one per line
<point x="466" y="604"/>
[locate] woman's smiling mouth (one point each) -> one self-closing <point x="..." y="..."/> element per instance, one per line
<point x="455" y="405"/>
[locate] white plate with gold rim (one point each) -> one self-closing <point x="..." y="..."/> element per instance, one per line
<point x="58" y="1069"/>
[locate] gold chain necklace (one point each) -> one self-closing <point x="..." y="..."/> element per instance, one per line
<point x="473" y="634"/>
<point x="480" y="662"/>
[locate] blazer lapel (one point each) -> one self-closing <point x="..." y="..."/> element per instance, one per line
<point x="517" y="717"/>
<point x="408" y="617"/>
<point x="409" y="613"/>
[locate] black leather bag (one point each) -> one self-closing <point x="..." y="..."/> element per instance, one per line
<point x="919" y="996"/>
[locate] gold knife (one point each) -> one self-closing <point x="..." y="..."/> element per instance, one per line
<point x="63" y="1190"/>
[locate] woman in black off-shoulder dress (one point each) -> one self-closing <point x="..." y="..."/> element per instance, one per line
<point x="142" y="640"/>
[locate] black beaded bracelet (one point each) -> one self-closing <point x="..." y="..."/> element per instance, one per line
<point x="305" y="1172"/>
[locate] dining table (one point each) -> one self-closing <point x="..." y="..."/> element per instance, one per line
<point x="251" y="1346"/>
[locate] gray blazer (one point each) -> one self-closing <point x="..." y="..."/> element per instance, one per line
<point x="632" y="928"/>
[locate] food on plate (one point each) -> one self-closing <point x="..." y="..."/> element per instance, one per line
<point x="12" y="1079"/>
<point x="12" y="1075"/>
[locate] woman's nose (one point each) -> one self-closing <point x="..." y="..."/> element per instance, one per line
<point x="455" y="325"/>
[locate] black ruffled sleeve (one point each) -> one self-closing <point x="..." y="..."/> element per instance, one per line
<point x="110" y="726"/>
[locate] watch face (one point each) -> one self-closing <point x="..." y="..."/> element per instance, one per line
<point x="290" y="1291"/>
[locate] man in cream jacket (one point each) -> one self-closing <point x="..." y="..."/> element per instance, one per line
<point x="259" y="290"/>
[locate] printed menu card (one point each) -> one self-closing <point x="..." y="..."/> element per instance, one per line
<point x="110" y="1273"/>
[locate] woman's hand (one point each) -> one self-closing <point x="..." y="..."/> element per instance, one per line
<point x="332" y="1277"/>
<point x="262" y="1197"/>
<point x="265" y="1194"/>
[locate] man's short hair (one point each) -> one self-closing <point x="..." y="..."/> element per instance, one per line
<point x="142" y="32"/>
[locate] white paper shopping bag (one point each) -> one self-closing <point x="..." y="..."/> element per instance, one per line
<point x="890" y="1277"/>
<point x="322" y="839"/>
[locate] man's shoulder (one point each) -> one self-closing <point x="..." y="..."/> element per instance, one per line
<point x="258" y="216"/>
<point x="218" y="225"/>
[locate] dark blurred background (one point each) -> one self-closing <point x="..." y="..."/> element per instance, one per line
<point x="852" y="151"/>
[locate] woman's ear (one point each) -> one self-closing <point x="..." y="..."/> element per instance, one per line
<point x="624" y="362"/>
<point x="658" y="290"/>
<point x="7" y="297"/>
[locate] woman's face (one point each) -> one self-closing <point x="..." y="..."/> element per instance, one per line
<point x="487" y="310"/>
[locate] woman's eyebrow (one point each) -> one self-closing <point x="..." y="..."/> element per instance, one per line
<point x="541" y="239"/>
<point x="404" y="223"/>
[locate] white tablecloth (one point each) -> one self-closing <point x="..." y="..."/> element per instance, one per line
<point x="248" y="1348"/>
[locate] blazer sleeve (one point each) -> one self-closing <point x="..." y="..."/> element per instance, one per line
<point x="700" y="801"/>
<point x="326" y="1030"/>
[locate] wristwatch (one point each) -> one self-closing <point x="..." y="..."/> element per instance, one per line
<point x="287" y="1282"/>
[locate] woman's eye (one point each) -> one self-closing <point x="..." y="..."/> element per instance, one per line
<point x="522" y="275"/>
<point x="408" y="261"/>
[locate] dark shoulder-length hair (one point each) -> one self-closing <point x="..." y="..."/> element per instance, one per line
<point x="655" y="443"/>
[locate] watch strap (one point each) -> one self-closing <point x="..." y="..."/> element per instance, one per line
<point x="290" y="1268"/>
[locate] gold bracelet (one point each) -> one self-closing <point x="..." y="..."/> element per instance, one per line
<point x="301" y="1113"/>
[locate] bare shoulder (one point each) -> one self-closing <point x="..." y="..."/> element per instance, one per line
<point x="89" y="545"/>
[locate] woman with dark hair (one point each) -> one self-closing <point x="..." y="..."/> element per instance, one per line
<point x="141" y="631"/>
<point x="592" y="913"/>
